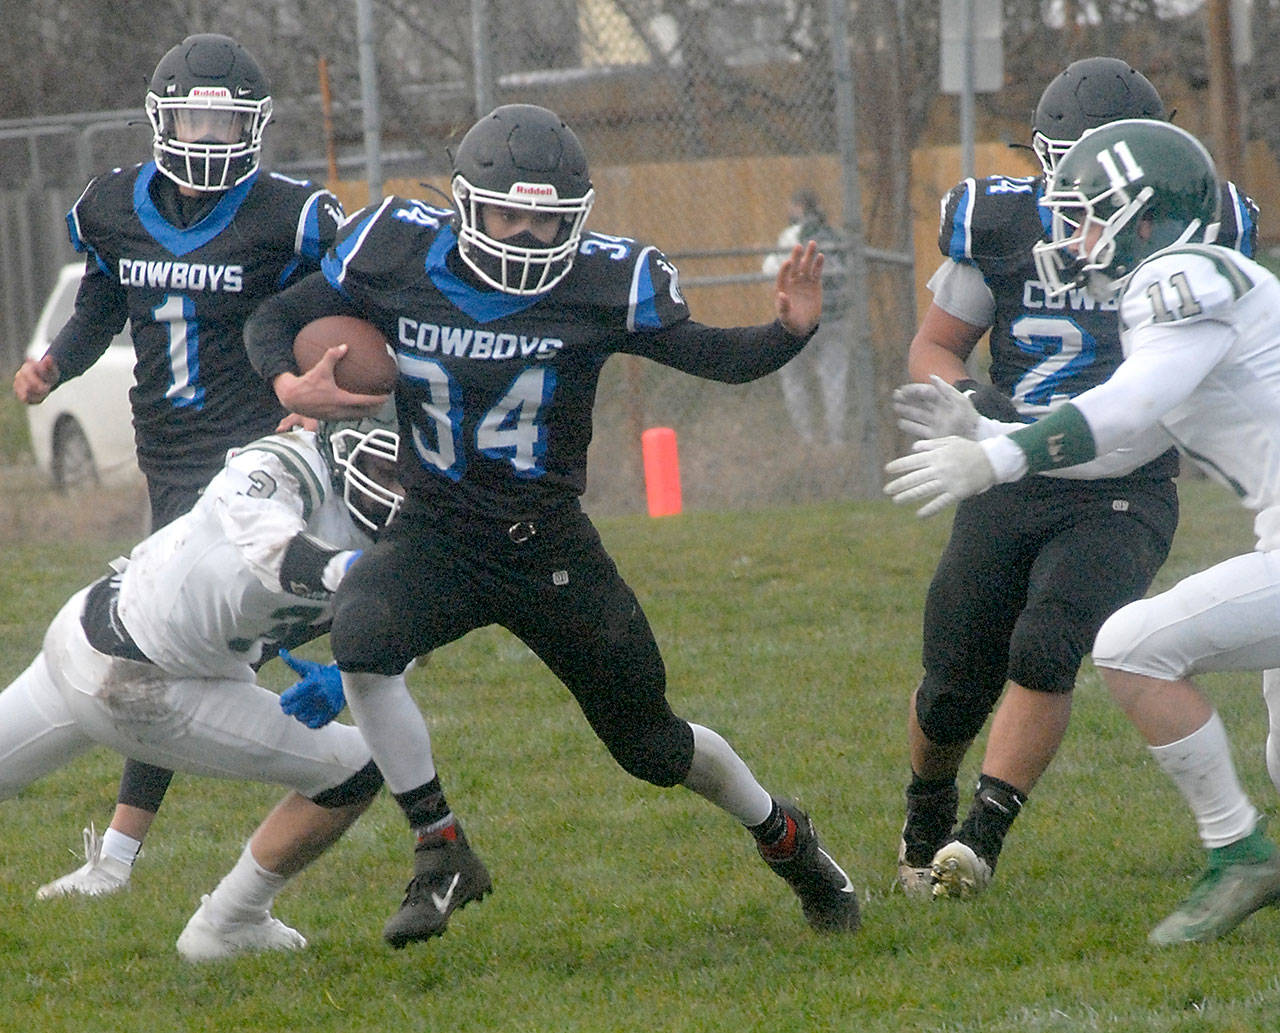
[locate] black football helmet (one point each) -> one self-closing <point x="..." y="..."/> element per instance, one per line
<point x="208" y="104"/>
<point x="361" y="456"/>
<point x="1089" y="93"/>
<point x="1124" y="192"/>
<point x="521" y="156"/>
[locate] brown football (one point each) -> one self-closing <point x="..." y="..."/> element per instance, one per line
<point x="368" y="368"/>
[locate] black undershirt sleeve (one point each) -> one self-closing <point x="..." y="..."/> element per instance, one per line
<point x="100" y="313"/>
<point x="731" y="355"/>
<point x="269" y="333"/>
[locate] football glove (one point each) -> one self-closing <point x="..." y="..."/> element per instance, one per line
<point x="990" y="401"/>
<point x="317" y="697"/>
<point x="935" y="410"/>
<point x="940" y="471"/>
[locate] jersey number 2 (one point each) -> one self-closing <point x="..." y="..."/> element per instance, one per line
<point x="1062" y="347"/>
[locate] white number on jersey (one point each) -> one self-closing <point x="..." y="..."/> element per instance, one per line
<point x="514" y="428"/>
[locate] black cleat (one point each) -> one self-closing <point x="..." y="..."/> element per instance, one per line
<point x="447" y="876"/>
<point x="826" y="893"/>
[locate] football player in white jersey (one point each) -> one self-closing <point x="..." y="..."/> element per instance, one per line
<point x="157" y="662"/>
<point x="1134" y="204"/>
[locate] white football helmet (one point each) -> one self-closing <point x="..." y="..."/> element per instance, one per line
<point x="362" y="456"/>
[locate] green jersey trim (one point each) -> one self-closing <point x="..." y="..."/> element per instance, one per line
<point x="312" y="488"/>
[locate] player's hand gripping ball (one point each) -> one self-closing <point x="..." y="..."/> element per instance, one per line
<point x="368" y="367"/>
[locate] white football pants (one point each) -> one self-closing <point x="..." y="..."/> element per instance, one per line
<point x="73" y="698"/>
<point x="1226" y="618"/>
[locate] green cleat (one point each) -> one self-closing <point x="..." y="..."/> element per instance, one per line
<point x="1242" y="878"/>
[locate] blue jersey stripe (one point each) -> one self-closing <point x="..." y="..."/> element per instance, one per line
<point x="177" y="241"/>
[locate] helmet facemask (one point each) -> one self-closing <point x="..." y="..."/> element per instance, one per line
<point x="363" y="464"/>
<point x="207" y="140"/>
<point x="1049" y="151"/>
<point x="520" y="160"/>
<point x="522" y="264"/>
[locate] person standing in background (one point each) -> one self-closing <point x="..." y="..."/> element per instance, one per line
<point x="821" y="371"/>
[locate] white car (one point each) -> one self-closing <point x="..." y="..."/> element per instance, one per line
<point x="82" y="434"/>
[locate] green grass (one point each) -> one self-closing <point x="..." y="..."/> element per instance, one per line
<point x="618" y="906"/>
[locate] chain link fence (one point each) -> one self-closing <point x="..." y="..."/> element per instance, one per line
<point x="701" y="120"/>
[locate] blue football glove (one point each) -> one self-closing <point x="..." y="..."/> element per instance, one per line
<point x="316" y="698"/>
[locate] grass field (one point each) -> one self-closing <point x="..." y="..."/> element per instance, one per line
<point x="617" y="906"/>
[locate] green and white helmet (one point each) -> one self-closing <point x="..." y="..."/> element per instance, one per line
<point x="1129" y="189"/>
<point x="361" y="456"/>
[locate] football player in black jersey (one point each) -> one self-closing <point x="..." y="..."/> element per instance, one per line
<point x="503" y="311"/>
<point x="1031" y="569"/>
<point x="184" y="246"/>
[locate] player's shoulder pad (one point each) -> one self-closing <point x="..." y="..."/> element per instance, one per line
<point x="294" y="454"/>
<point x="105" y="200"/>
<point x="1187" y="283"/>
<point x="379" y="238"/>
<point x="633" y="280"/>
<point x="1237" y="220"/>
<point x="992" y="219"/>
<point x="316" y="211"/>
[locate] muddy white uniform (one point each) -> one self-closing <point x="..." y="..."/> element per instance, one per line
<point x="156" y="662"/>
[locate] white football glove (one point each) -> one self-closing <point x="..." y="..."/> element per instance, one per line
<point x="935" y="410"/>
<point x="940" y="471"/>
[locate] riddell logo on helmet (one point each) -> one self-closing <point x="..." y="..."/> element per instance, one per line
<point x="209" y="93"/>
<point x="536" y="191"/>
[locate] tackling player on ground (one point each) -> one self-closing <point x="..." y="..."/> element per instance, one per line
<point x="157" y="661"/>
<point x="503" y="311"/>
<point x="184" y="247"/>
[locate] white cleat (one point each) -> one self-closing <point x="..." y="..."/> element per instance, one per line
<point x="201" y="940"/>
<point x="98" y="876"/>
<point x="916" y="883"/>
<point x="958" y="872"/>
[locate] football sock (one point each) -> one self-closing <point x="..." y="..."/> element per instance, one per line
<point x="426" y="809"/>
<point x="995" y="806"/>
<point x="718" y="774"/>
<point x="776" y="835"/>
<point x="1200" y="766"/>
<point x="1271" y="693"/>
<point x="245" y="893"/>
<point x="393" y="726"/>
<point x="120" y="847"/>
<point x="931" y="815"/>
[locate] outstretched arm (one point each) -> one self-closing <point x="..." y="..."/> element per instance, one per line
<point x="797" y="296"/>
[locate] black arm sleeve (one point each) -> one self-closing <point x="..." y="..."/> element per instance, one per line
<point x="269" y="332"/>
<point x="731" y="355"/>
<point x="100" y="314"/>
<point x="302" y="569"/>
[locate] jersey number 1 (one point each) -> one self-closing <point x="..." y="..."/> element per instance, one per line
<point x="174" y="315"/>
